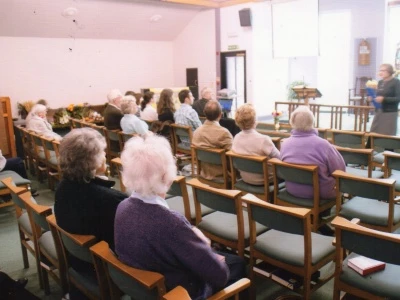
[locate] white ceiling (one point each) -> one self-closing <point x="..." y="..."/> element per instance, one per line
<point x="95" y="19"/>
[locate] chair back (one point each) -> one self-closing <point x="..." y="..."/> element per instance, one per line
<point x="286" y="219"/>
<point x="392" y="160"/>
<point x="303" y="174"/>
<point x="15" y="191"/>
<point x="179" y="189"/>
<point x="181" y="132"/>
<point x="117" y="278"/>
<point x="99" y="129"/>
<point x="350" y="139"/>
<point x="76" y="123"/>
<point x="377" y="189"/>
<point x="215" y="157"/>
<point x="124" y="137"/>
<point x="380" y="142"/>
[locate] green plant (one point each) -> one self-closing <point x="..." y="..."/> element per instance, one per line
<point x="290" y="93"/>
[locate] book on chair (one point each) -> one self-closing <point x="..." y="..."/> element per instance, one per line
<point x="364" y="265"/>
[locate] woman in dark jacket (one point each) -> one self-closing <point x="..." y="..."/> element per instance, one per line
<point x="85" y="202"/>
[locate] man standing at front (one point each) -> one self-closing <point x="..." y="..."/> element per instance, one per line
<point x="186" y="115"/>
<point x="212" y="135"/>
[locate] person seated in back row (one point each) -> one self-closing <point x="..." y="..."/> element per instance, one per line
<point x="212" y="135"/>
<point x="150" y="236"/>
<point x="130" y="123"/>
<point x="199" y="105"/>
<point x="251" y="142"/>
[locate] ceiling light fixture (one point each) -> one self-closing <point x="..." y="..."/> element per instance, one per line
<point x="155" y="18"/>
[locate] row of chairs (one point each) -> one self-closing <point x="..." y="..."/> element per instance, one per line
<point x="51" y="245"/>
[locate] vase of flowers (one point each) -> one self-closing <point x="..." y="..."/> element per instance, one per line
<point x="276" y="114"/>
<point x="75" y="111"/>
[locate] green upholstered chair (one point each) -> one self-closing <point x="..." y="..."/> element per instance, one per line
<point x="228" y="224"/>
<point x="18" y="181"/>
<point x="359" y="162"/>
<point x="373" y="244"/>
<point x="118" y="279"/>
<point x="51" y="161"/>
<point x="302" y="174"/>
<point x="181" y="142"/>
<point x="252" y="164"/>
<point x="39" y="157"/>
<point x="215" y="157"/>
<point x="372" y="201"/>
<point x="348" y="139"/>
<point x="68" y="244"/>
<point x="44" y="243"/>
<point x="124" y="137"/>
<point x="289" y="243"/>
<point x="392" y="168"/>
<point x="179" y="200"/>
<point x="380" y="143"/>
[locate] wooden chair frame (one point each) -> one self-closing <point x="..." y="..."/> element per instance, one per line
<point x="342" y="224"/>
<point x="224" y="166"/>
<point x="389" y="183"/>
<point x="375" y="142"/>
<point x="335" y="134"/>
<point x="233" y="195"/>
<point x="389" y="156"/>
<point x="258" y="159"/>
<point x="316" y="209"/>
<point x="304" y="271"/>
<point x="361" y="152"/>
<point x="85" y="241"/>
<point x="40" y="162"/>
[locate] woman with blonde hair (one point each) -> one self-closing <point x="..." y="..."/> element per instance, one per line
<point x="37" y="122"/>
<point x="251" y="142"/>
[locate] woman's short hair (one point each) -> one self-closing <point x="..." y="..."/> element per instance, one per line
<point x="245" y="117"/>
<point x="128" y="105"/>
<point x="302" y="119"/>
<point x="148" y="165"/>
<point x="81" y="154"/>
<point x="389" y="68"/>
<point x="166" y="102"/>
<point x="38" y="108"/>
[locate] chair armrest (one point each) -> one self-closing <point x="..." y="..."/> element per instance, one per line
<point x="177" y="293"/>
<point x="231" y="290"/>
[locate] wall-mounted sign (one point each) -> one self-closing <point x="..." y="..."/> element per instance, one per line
<point x="233" y="47"/>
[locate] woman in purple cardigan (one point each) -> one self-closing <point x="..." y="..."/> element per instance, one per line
<point x="307" y="148"/>
<point x="150" y="236"/>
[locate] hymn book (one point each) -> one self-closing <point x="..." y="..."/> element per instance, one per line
<point x="364" y="265"/>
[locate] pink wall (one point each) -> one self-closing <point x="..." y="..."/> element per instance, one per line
<point x="34" y="68"/>
<point x="195" y="48"/>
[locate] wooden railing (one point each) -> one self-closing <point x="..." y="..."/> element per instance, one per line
<point x="335" y="112"/>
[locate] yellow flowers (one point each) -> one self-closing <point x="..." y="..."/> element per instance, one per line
<point x="372" y="84"/>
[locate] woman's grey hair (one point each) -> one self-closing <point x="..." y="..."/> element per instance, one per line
<point x="37" y="108"/>
<point x="148" y="166"/>
<point x="81" y="154"/>
<point x="302" y="119"/>
<point x="128" y="105"/>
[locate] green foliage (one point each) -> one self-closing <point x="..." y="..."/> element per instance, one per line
<point x="291" y="95"/>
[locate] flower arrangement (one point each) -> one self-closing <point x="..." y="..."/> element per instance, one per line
<point x="24" y="108"/>
<point x="276" y="114"/>
<point x="61" y="117"/>
<point x="75" y="110"/>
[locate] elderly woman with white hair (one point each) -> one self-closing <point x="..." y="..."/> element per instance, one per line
<point x="150" y="236"/>
<point x="307" y="148"/>
<point x="85" y="202"/>
<point x="130" y="123"/>
<point x="37" y="122"/>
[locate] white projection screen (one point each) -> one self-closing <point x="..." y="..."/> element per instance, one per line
<point x="295" y="28"/>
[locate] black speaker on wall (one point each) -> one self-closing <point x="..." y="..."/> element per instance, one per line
<point x="245" y="17"/>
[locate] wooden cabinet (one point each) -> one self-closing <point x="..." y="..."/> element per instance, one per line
<point x="7" y="141"/>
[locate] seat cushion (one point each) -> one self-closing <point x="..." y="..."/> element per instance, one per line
<point x="378" y="157"/>
<point x="364" y="173"/>
<point x="383" y="283"/>
<point x="89" y="281"/>
<point x="396" y="176"/>
<point x="18" y="180"/>
<point x="46" y="242"/>
<point x="254" y="189"/>
<point x="369" y="211"/>
<point x="176" y="203"/>
<point x="289" y="248"/>
<point x="224" y="225"/>
<point x="24" y="222"/>
<point x="287" y="197"/>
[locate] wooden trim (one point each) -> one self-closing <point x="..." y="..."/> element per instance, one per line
<point x="6" y="114"/>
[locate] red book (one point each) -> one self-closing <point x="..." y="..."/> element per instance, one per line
<point x="364" y="265"/>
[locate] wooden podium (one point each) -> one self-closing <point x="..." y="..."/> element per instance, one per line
<point x="305" y="93"/>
